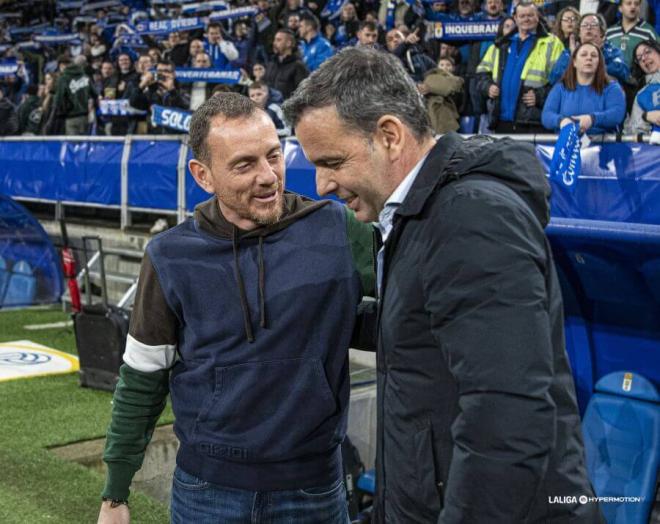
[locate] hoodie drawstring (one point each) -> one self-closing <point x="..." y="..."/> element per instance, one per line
<point x="262" y="279"/>
<point x="241" y="289"/>
<point x="249" y="333"/>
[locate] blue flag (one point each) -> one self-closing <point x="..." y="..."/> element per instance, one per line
<point x="333" y="9"/>
<point x="171" y="117"/>
<point x="566" y="160"/>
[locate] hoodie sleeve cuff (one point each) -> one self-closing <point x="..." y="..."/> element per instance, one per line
<point x="118" y="481"/>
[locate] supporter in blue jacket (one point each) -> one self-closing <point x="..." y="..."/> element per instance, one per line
<point x="221" y="51"/>
<point x="585" y="95"/>
<point x="592" y="31"/>
<point x="314" y="48"/>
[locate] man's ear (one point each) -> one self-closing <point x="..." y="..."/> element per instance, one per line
<point x="390" y="133"/>
<point x="202" y="175"/>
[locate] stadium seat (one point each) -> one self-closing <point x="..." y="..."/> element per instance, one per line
<point x="622" y="442"/>
<point x="21" y="285"/>
<point x="467" y="125"/>
<point x="367" y="482"/>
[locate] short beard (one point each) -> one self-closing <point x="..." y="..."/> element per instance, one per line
<point x="268" y="220"/>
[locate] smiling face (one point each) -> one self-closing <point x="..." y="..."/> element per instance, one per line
<point x="648" y="59"/>
<point x="348" y="165"/>
<point x="245" y="171"/>
<point x="586" y="59"/>
<point x="526" y="18"/>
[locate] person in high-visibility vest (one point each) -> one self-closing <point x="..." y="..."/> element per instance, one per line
<point x="514" y="73"/>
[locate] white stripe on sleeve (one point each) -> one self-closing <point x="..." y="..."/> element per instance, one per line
<point x="148" y="358"/>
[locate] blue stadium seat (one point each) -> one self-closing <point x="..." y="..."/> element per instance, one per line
<point x="367" y="482"/>
<point x="21" y="285"/>
<point x="467" y="125"/>
<point x="622" y="441"/>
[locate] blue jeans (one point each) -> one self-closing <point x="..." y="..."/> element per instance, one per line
<point x="195" y="501"/>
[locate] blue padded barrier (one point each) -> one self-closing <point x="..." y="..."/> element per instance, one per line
<point x="610" y="283"/>
<point x="152" y="174"/>
<point x="622" y="443"/>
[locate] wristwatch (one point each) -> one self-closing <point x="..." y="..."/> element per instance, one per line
<point x="115" y="502"/>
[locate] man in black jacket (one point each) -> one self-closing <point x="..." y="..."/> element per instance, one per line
<point x="477" y="417"/>
<point x="285" y="71"/>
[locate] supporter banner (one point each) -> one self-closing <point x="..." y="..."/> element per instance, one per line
<point x="133" y="41"/>
<point x="170" y="117"/>
<point x="83" y="20"/>
<point x="168" y="26"/>
<point x="479" y="30"/>
<point x="63" y="6"/>
<point x="120" y="107"/>
<point x="94" y="6"/>
<point x="8" y="68"/>
<point x="28" y="45"/>
<point x="69" y="38"/>
<point x="10" y="15"/>
<point x="239" y="12"/>
<point x="214" y="76"/>
<point x="17" y="31"/>
<point x="197" y="7"/>
<point x="566" y="160"/>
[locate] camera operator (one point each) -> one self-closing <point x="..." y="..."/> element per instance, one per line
<point x="159" y="88"/>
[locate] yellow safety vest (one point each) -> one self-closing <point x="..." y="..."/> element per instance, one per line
<point x="539" y="63"/>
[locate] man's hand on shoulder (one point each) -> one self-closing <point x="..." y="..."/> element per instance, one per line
<point x="117" y="515"/>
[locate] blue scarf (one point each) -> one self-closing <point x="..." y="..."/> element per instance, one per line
<point x="511" y="82"/>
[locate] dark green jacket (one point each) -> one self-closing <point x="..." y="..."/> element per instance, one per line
<point x="73" y="92"/>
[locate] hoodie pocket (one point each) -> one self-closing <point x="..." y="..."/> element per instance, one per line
<point x="268" y="411"/>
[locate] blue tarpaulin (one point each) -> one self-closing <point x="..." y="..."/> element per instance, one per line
<point x="29" y="265"/>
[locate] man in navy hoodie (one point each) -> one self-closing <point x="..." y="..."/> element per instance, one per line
<point x="244" y="314"/>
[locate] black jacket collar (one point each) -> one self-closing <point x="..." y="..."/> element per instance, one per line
<point x="431" y="174"/>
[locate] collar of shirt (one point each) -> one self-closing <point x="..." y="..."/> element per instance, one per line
<point x="386" y="216"/>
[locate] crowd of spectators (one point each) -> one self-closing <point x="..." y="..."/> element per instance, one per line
<point x="75" y="68"/>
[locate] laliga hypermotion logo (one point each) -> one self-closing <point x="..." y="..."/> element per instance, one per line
<point x="23" y="358"/>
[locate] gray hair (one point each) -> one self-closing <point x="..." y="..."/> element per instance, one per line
<point x="229" y="105"/>
<point x="363" y="84"/>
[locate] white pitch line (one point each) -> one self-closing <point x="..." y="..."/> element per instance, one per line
<point x="34" y="327"/>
